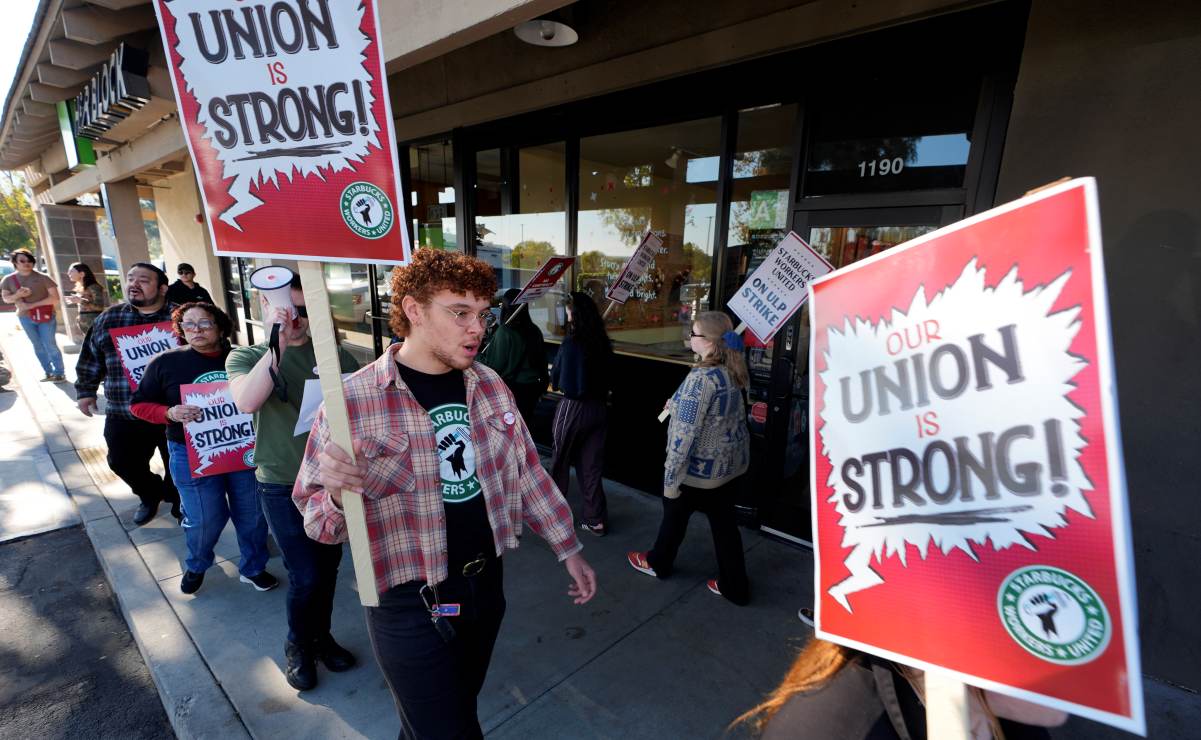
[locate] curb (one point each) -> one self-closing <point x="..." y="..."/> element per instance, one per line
<point x="193" y="699"/>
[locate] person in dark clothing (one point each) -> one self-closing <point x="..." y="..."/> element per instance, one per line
<point x="834" y="691"/>
<point x="581" y="372"/>
<point x="209" y="501"/>
<point x="131" y="442"/>
<point x="186" y="289"/>
<point x="518" y="355"/>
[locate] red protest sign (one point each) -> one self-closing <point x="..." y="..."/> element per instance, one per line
<point x="137" y="345"/>
<point x="222" y="440"/>
<point x="969" y="499"/>
<point x="550" y="273"/>
<point x="288" y="122"/>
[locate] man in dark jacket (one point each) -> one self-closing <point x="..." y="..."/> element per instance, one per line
<point x="186" y="289"/>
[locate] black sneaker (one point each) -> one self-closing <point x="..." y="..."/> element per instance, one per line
<point x="144" y="514"/>
<point x="262" y="582"/>
<point x="593" y="529"/>
<point x="333" y="656"/>
<point x="191" y="582"/>
<point x="301" y="672"/>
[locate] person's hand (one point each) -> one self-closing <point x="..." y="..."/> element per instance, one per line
<point x="184" y="413"/>
<point x="339" y="473"/>
<point x="24" y="292"/>
<point x="87" y="406"/>
<point x="72" y="299"/>
<point x="583" y="587"/>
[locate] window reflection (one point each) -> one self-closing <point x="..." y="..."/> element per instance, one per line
<point x="521" y="220"/>
<point x="350" y="302"/>
<point x="432" y="195"/>
<point x="663" y="178"/>
<point x="843" y="245"/>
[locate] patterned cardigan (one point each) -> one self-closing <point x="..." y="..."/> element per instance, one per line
<point x="707" y="442"/>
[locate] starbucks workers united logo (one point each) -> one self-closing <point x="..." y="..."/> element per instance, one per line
<point x="366" y="210"/>
<point x="1054" y="615"/>
<point x="456" y="453"/>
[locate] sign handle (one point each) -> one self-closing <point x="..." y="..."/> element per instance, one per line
<point x="737" y="330"/>
<point x="608" y="308"/>
<point x="329" y="370"/>
<point x="947" y="713"/>
<point x="513" y="315"/>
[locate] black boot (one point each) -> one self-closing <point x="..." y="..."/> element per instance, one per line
<point x="145" y="513"/>
<point x="301" y="672"/>
<point x="335" y="657"/>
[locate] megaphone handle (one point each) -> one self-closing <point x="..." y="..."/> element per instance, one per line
<point x="281" y="390"/>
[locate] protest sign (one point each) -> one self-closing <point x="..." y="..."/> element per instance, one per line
<point x="546" y="277"/>
<point x="969" y="500"/>
<point x="778" y="287"/>
<point x="138" y="345"/>
<point x="222" y="440"/>
<point x="635" y="267"/>
<point x="287" y="118"/>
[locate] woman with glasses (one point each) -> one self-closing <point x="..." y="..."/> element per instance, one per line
<point x="581" y="371"/>
<point x="89" y="296"/>
<point x="35" y="295"/>
<point x="708" y="448"/>
<point x="208" y="501"/>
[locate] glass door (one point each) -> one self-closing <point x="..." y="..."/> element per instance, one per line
<point x="781" y="397"/>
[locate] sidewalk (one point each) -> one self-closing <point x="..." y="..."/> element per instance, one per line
<point x="644" y="659"/>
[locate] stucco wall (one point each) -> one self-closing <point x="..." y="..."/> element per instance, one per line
<point x="1110" y="89"/>
<point x="185" y="240"/>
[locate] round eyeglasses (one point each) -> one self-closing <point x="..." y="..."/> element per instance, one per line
<point x="463" y="319"/>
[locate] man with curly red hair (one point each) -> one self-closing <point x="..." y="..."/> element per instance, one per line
<point x="448" y="471"/>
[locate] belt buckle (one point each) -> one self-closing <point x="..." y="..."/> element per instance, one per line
<point x="474" y="567"/>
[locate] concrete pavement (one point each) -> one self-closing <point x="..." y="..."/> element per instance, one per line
<point x="644" y="659"/>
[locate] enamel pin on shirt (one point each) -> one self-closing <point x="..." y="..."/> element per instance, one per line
<point x="509" y="418"/>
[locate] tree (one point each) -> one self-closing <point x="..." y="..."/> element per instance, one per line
<point x="529" y="255"/>
<point x="17" y="225"/>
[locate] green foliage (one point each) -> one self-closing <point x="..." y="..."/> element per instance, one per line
<point x="17" y="225"/>
<point x="529" y="255"/>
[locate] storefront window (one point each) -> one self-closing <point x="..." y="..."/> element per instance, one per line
<point x="843" y="245"/>
<point x="432" y="195"/>
<point x="521" y="220"/>
<point x="665" y="179"/>
<point x="759" y="204"/>
<point x="349" y="289"/>
<point x="888" y="146"/>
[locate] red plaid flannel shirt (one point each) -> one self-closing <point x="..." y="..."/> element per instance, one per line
<point x="406" y="519"/>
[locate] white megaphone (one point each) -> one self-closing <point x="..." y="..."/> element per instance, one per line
<point x="274" y="282"/>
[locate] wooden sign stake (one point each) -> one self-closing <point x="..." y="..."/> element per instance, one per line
<point x="947" y="707"/>
<point x="329" y="370"/>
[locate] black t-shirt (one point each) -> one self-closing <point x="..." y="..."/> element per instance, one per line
<point x="173" y="368"/>
<point x="444" y="397"/>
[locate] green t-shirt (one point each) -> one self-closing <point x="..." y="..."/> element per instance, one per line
<point x="277" y="451"/>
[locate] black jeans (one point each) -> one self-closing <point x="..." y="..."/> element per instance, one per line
<point x="312" y="566"/>
<point x="131" y="444"/>
<point x="435" y="683"/>
<point x="718" y="505"/>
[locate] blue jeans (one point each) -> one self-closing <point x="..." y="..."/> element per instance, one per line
<point x="312" y="566"/>
<point x="210" y="502"/>
<point x="45" y="346"/>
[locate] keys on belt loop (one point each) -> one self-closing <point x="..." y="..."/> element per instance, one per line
<point x="429" y="595"/>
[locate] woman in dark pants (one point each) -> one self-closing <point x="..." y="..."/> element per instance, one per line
<point x="708" y="448"/>
<point x="581" y="372"/>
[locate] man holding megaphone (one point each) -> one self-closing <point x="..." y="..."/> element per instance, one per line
<point x="268" y="380"/>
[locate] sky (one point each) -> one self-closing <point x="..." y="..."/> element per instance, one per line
<point x="13" y="32"/>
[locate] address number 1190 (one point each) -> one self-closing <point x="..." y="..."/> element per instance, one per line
<point x="879" y="167"/>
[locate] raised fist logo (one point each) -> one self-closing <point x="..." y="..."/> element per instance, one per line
<point x="1044" y="606"/>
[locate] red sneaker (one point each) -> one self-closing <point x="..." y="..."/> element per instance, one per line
<point x="712" y="584"/>
<point x="639" y="563"/>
